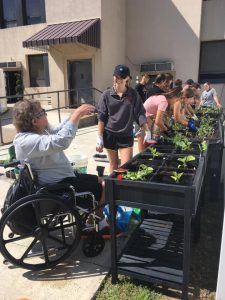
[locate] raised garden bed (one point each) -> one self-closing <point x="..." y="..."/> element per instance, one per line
<point x="152" y="194"/>
<point x="173" y="187"/>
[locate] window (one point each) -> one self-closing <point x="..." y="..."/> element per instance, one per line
<point x="212" y="62"/>
<point x="9" y="13"/>
<point x="21" y="12"/>
<point x="38" y="67"/>
<point x="34" y="12"/>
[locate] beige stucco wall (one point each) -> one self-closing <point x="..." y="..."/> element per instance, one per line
<point x="56" y="11"/>
<point x="58" y="58"/>
<point x="164" y="31"/>
<point x="104" y="59"/>
<point x="72" y="10"/>
<point x="131" y="33"/>
<point x="12" y="50"/>
<point x="113" y="38"/>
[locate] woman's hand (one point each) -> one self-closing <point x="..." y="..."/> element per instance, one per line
<point x="81" y="111"/>
<point x="191" y="125"/>
<point x="99" y="144"/>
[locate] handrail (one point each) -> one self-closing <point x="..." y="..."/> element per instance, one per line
<point x="58" y="108"/>
<point x="50" y="92"/>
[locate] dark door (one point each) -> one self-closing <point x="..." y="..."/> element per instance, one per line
<point x="80" y="80"/>
<point x="11" y="84"/>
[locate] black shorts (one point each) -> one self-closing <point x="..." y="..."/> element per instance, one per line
<point x="85" y="183"/>
<point x="113" y="142"/>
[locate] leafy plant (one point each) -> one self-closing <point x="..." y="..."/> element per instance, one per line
<point x="209" y="110"/>
<point x="19" y="84"/>
<point x="154" y="152"/>
<point x="177" y="126"/>
<point x="181" y="141"/>
<point x="141" y="174"/>
<point x="126" y="289"/>
<point x="206" y="127"/>
<point x="184" y="160"/>
<point x="3" y="161"/>
<point x="205" y="131"/>
<point x="177" y="176"/>
<point x="203" y="146"/>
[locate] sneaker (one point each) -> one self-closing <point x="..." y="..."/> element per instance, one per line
<point x="151" y="142"/>
<point x="105" y="233"/>
<point x="100" y="157"/>
<point x="87" y="230"/>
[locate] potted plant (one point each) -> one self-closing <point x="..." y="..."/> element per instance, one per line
<point x="19" y="86"/>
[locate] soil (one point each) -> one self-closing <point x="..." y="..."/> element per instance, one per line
<point x="165" y="177"/>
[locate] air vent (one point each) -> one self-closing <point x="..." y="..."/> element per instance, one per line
<point x="11" y="64"/>
<point x="157" y="66"/>
<point x="3" y="65"/>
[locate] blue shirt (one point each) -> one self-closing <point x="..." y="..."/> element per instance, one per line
<point x="44" y="152"/>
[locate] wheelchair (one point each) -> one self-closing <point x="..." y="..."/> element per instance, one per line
<point x="43" y="228"/>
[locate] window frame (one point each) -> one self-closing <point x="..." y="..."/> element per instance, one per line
<point x="45" y="69"/>
<point x="21" y="14"/>
<point x="4" y="20"/>
<point x="42" y="10"/>
<point x="212" y="77"/>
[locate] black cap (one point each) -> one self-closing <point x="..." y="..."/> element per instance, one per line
<point x="121" y="71"/>
<point x="190" y="81"/>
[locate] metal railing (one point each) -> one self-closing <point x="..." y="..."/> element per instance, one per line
<point x="74" y="98"/>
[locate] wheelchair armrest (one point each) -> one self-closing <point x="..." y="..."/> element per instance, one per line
<point x="55" y="187"/>
<point x="82" y="194"/>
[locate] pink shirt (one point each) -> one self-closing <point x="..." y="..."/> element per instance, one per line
<point x="155" y="103"/>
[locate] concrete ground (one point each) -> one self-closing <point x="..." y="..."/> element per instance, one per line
<point x="79" y="277"/>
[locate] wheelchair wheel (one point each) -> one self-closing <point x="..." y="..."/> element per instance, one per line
<point x="42" y="239"/>
<point x="93" y="245"/>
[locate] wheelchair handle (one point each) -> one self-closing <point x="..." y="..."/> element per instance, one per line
<point x="12" y="164"/>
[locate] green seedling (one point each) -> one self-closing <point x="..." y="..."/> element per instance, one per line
<point x="206" y="127"/>
<point x="154" y="152"/>
<point x="3" y="161"/>
<point x="205" y="130"/>
<point x="207" y="110"/>
<point x="177" y="126"/>
<point x="177" y="176"/>
<point x="203" y="146"/>
<point x="181" y="141"/>
<point x="184" y="160"/>
<point x="141" y="174"/>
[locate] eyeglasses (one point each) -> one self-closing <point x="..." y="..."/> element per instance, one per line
<point x="40" y="114"/>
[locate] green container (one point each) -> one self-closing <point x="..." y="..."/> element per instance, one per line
<point x="79" y="163"/>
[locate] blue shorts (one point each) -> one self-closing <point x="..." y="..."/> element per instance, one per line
<point x="113" y="142"/>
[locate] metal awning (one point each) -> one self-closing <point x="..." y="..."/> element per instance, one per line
<point x="86" y="32"/>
